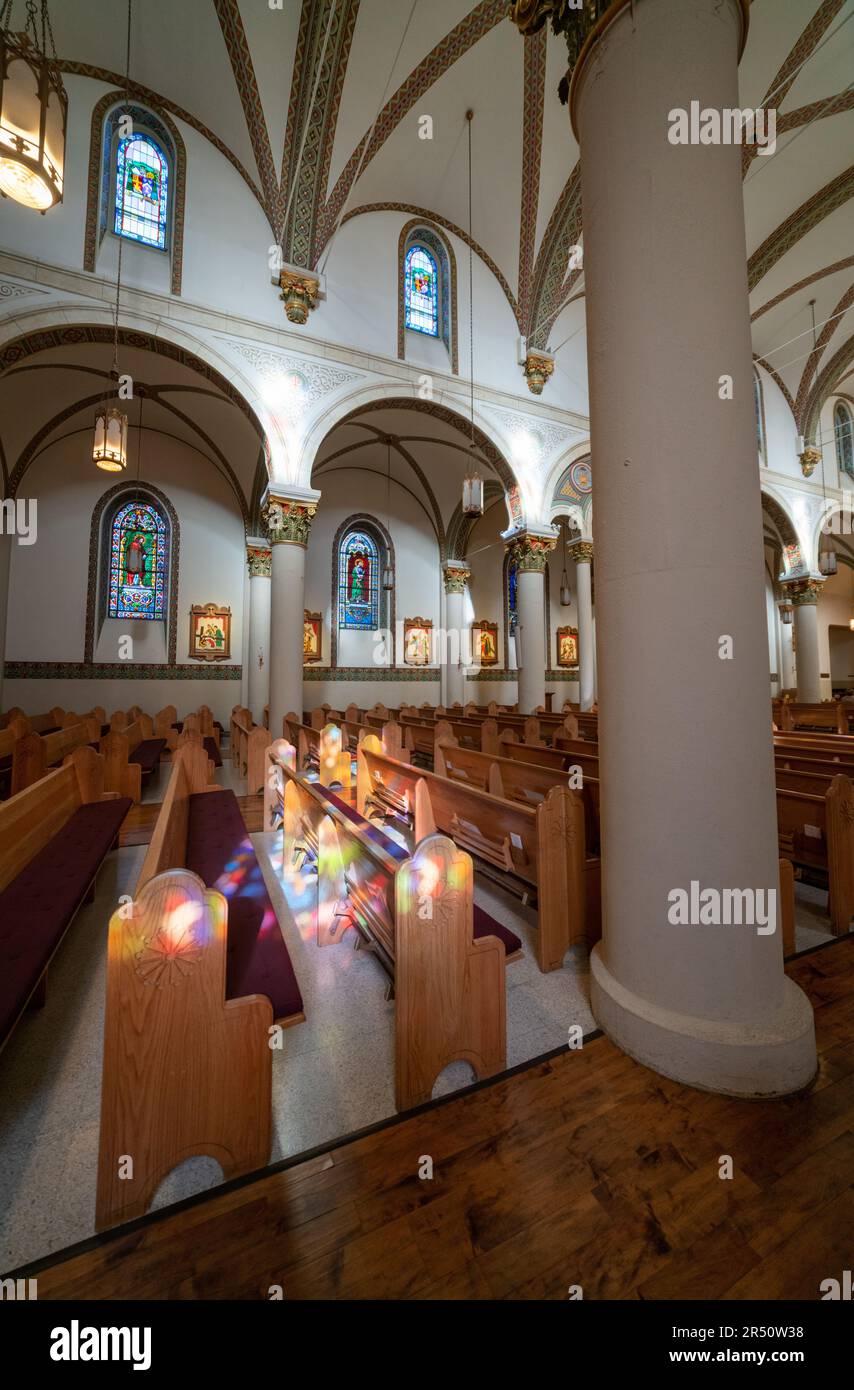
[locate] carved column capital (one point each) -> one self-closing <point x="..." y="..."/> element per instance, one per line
<point x="456" y="577"/>
<point x="537" y="369"/>
<point x="259" y="559"/>
<point x="299" y="292"/>
<point x="531" y="552"/>
<point x="803" y="592"/>
<point x="288" y="520"/>
<point x="581" y="552"/>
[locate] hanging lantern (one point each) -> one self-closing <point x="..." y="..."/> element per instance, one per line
<point x="33" y="116"/>
<point x="786" y="612"/>
<point x="473" y="495"/>
<point x="827" y="563"/>
<point x="565" y="591"/>
<point x="111" y="439"/>
<point x="388" y="577"/>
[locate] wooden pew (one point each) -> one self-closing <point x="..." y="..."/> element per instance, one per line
<point x="538" y="848"/>
<point x="56" y="832"/>
<point x="186" y="1071"/>
<point x="831" y="715"/>
<point x="35" y="753"/>
<point x="817" y="832"/>
<point x="120" y="747"/>
<point x="416" y="911"/>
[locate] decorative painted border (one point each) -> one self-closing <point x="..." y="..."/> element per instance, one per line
<point x="381" y="674"/>
<point x="94" y="197"/>
<point x="237" y="46"/>
<point x="95" y="589"/>
<point x="118" y="670"/>
<point x="533" y="102"/>
<point x="410" y="232"/>
<point x="491" y="673"/>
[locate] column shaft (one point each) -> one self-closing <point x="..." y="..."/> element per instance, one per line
<point x="289" y="523"/>
<point x="686" y="767"/>
<point x="806" y="648"/>
<point x="582" y="553"/>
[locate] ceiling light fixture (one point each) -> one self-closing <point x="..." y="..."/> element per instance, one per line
<point x="33" y="111"/>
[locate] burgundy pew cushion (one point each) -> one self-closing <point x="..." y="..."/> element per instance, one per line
<point x="147" y="754"/>
<point x="220" y="851"/>
<point x="484" y="925"/>
<point x="213" y="752"/>
<point x="37" y="906"/>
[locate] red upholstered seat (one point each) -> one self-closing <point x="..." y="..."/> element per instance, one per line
<point x="484" y="925"/>
<point x="38" y="905"/>
<point x="147" y="754"/>
<point x="220" y="851"/>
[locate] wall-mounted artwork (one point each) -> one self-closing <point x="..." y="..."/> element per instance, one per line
<point x="417" y="639"/>
<point x="567" y="646"/>
<point x="210" y="632"/>
<point x="486" y="650"/>
<point x="312" y="631"/>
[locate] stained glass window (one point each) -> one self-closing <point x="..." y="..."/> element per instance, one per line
<point x="844" y="431"/>
<point x="512" y="607"/>
<point x="139" y="554"/>
<point x="358" y="582"/>
<point x="421" y="291"/>
<point x="142" y="190"/>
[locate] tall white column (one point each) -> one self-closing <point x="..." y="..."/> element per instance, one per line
<point x="260" y="561"/>
<point x="288" y="521"/>
<point x="787" y="654"/>
<point x="582" y="553"/>
<point x="686" y="767"/>
<point x="804" y="595"/>
<point x="457" y="576"/>
<point x="530" y="552"/>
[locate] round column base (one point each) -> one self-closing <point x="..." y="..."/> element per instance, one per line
<point x="730" y="1058"/>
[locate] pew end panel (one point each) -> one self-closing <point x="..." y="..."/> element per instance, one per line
<point x="185" y="1071"/>
<point x="450" y="989"/>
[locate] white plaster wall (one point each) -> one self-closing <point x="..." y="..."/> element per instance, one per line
<point x="781" y="434"/>
<point x="835" y="608"/>
<point x="417" y="579"/>
<point x="49" y="580"/>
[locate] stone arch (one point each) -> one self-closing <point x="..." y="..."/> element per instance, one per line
<point x="46" y="330"/>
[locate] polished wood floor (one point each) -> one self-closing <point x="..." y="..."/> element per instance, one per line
<point x="586" y="1169"/>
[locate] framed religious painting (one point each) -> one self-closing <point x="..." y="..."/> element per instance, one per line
<point x="417" y="638"/>
<point x="486" y="649"/>
<point x="312" y="630"/>
<point x="567" y="646"/>
<point x="210" y="632"/>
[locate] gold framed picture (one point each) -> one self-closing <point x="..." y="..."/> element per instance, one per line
<point x="210" y="632"/>
<point x="417" y="639"/>
<point x="567" y="646"/>
<point x="486" y="651"/>
<point x="312" y="633"/>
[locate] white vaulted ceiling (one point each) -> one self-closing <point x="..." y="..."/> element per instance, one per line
<point x="249" y="78"/>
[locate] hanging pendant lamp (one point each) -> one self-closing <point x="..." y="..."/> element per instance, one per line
<point x="33" y="112"/>
<point x="565" y="591"/>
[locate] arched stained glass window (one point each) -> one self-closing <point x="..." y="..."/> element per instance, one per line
<point x="142" y="190"/>
<point x="843" y="428"/>
<point x="421" y="291"/>
<point x="139" y="558"/>
<point x="358" y="582"/>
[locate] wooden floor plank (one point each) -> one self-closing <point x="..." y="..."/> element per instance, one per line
<point x="586" y="1169"/>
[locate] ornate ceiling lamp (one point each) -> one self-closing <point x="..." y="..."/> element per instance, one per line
<point x="33" y="111"/>
<point x="109" y="447"/>
<point x="565" y="591"/>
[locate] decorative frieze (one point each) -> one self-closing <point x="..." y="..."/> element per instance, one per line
<point x="116" y="671"/>
<point x="287" y="520"/>
<point x="259" y="558"/>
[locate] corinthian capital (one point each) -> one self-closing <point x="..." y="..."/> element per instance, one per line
<point x="288" y="520"/>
